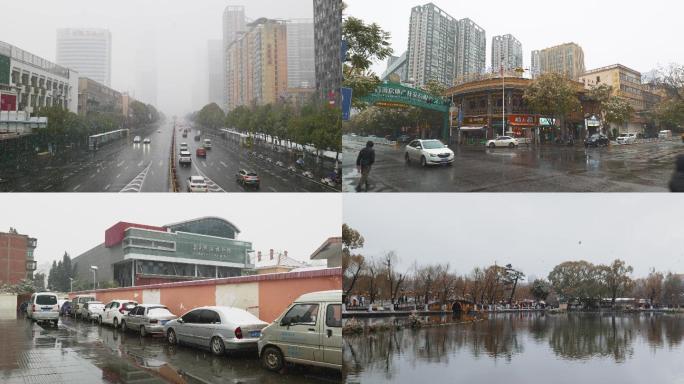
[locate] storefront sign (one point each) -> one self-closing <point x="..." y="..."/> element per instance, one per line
<point x="400" y="94"/>
<point x="475" y="120"/>
<point x="522" y="120"/>
<point x="593" y="122"/>
<point x="546" y="121"/>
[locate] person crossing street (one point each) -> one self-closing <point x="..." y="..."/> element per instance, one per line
<point x="364" y="162"/>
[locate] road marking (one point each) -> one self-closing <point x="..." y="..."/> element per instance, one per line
<point x="120" y="164"/>
<point x="140" y="164"/>
<point x="136" y="184"/>
<point x="213" y="187"/>
<point x="224" y="164"/>
<point x="161" y="163"/>
<point x="119" y="175"/>
<point x="272" y="189"/>
<point x="76" y="188"/>
<point x="93" y="175"/>
<point x="48" y="187"/>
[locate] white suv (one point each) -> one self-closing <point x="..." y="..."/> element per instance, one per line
<point x="115" y="310"/>
<point x="43" y="307"/>
<point x="185" y="158"/>
<point x="503" y="141"/>
<point x="627" y="138"/>
<point x="429" y="152"/>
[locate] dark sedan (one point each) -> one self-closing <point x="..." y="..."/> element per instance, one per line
<point x="597" y="140"/>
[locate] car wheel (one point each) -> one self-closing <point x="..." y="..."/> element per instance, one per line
<point x="272" y="359"/>
<point x="217" y="347"/>
<point x="124" y="328"/>
<point x="511" y="145"/>
<point x="492" y="146"/>
<point x="143" y="331"/>
<point x="408" y="158"/>
<point x="55" y="322"/>
<point x="115" y="323"/>
<point x="423" y="162"/>
<point x="171" y="337"/>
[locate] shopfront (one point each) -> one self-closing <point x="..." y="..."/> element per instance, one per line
<point x="473" y="131"/>
<point x="522" y="127"/>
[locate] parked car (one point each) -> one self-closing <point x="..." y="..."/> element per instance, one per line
<point x="404" y="139"/>
<point x="43" y="308"/>
<point x="248" y="178"/>
<point x="147" y="319"/>
<point x="91" y="310"/>
<point x="428" y="152"/>
<point x="201" y="152"/>
<point x="185" y="158"/>
<point x="197" y="184"/>
<point x="220" y="329"/>
<point x="136" y="139"/>
<point x="77" y="304"/>
<point x="627" y="138"/>
<point x="147" y="140"/>
<point x="308" y="332"/>
<point x="597" y="140"/>
<point x="114" y="312"/>
<point x="665" y="134"/>
<point x="503" y="141"/>
<point x="207" y="143"/>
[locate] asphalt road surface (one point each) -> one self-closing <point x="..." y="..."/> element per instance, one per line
<point x="77" y="352"/>
<point x="642" y="167"/>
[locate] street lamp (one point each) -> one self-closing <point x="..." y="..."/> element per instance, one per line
<point x="94" y="269"/>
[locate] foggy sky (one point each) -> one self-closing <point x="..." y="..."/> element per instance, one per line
<point x="639" y="34"/>
<point x="179" y="31"/>
<point x="534" y="232"/>
<point x="76" y="222"/>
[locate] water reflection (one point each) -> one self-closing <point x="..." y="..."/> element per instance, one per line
<point x="523" y="341"/>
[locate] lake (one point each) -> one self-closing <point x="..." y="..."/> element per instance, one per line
<point x="524" y="348"/>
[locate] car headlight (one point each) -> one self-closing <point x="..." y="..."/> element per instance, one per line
<point x="433" y="155"/>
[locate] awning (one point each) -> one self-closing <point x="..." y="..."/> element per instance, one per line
<point x="471" y="128"/>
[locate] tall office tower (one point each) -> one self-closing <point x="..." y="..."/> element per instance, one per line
<point x="234" y="26"/>
<point x="87" y="51"/>
<point x="506" y="49"/>
<point x="535" y="67"/>
<point x="431" y="50"/>
<point x="328" y="42"/>
<point x="471" y="50"/>
<point x="301" y="61"/>
<point x="566" y="59"/>
<point x="215" y="72"/>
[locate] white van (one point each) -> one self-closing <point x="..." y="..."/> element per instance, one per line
<point x="207" y="143"/>
<point x="308" y="332"/>
<point x="43" y="307"/>
<point x="666" y="134"/>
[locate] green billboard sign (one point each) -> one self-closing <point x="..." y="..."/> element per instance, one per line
<point x="397" y="95"/>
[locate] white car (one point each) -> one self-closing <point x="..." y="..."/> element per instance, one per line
<point x="503" y="141"/>
<point x="136" y="139"/>
<point x="207" y="143"/>
<point x="114" y="312"/>
<point x="627" y="138"/>
<point x="197" y="184"/>
<point x="429" y="152"/>
<point x="185" y="158"/>
<point x="184" y="147"/>
<point x="92" y="310"/>
<point x="147" y="140"/>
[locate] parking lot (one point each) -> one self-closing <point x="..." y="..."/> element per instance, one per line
<point x="80" y="352"/>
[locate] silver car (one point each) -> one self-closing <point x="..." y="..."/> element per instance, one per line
<point x="147" y="318"/>
<point x="92" y="310"/>
<point x="217" y="328"/>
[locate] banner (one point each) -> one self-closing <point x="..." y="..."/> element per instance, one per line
<point x="8" y="102"/>
<point x="346" y="103"/>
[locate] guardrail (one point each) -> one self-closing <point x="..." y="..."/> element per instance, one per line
<point x="375" y="140"/>
<point x="173" y="177"/>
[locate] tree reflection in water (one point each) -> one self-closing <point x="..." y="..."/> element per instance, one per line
<point x="571" y="336"/>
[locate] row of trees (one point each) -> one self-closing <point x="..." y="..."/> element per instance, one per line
<point x="314" y="123"/>
<point x="63" y="271"/>
<point x="378" y="279"/>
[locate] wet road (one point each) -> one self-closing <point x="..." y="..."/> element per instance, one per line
<point x="225" y="160"/>
<point x="78" y="352"/>
<point x="643" y="167"/>
<point x="525" y="348"/>
<point x="116" y="167"/>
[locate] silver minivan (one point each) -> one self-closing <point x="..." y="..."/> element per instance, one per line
<point x="308" y="332"/>
<point x="43" y="307"/>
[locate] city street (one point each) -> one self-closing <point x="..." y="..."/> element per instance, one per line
<point x="79" y="352"/>
<point x="642" y="167"/>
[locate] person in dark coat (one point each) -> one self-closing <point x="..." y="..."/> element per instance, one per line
<point x="677" y="182"/>
<point x="364" y="162"/>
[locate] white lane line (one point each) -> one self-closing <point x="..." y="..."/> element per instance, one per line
<point x="107" y="187"/>
<point x="136" y="184"/>
<point x="121" y="163"/>
<point x="272" y="189"/>
<point x="93" y="175"/>
<point x="48" y="187"/>
<point x="161" y="163"/>
<point x="213" y="187"/>
<point x="119" y="175"/>
<point x="140" y="164"/>
<point x="224" y="164"/>
<point x="76" y="188"/>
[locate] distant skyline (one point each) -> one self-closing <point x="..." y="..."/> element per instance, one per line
<point x="609" y="33"/>
<point x="178" y="29"/>
<point x="76" y="223"/>
<point x="533" y="232"/>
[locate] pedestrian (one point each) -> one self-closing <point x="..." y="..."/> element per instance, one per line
<point x="677" y="182"/>
<point x="364" y="162"/>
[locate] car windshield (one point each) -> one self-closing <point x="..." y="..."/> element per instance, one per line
<point x="46" y="300"/>
<point x="433" y="144"/>
<point x="251" y="174"/>
<point x="198" y="180"/>
<point x="158" y="311"/>
<point x="129" y="306"/>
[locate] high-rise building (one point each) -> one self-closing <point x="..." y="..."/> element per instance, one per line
<point x="431" y="53"/>
<point x="215" y="72"/>
<point x="234" y="26"/>
<point x="301" y="62"/>
<point x="16" y="257"/>
<point x="87" y="51"/>
<point x="471" y="49"/>
<point x="257" y="65"/>
<point x="535" y="68"/>
<point x="328" y="42"/>
<point x="506" y="49"/>
<point x="566" y="59"/>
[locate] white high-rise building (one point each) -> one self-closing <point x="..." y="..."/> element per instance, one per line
<point x="506" y="49"/>
<point x="87" y="51"/>
<point x="471" y="50"/>
<point x="535" y="66"/>
<point x="301" y="59"/>
<point x="234" y="26"/>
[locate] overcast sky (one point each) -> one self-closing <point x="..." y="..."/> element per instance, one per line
<point x="534" y="232"/>
<point x="639" y="34"/>
<point x="298" y="223"/>
<point x="179" y="31"/>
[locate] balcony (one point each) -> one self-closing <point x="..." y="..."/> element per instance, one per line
<point x="31" y="265"/>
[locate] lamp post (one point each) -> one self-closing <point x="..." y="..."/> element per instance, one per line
<point x="94" y="269"/>
<point x="71" y="284"/>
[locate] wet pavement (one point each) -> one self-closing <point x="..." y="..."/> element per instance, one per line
<point x="643" y="167"/>
<point x="79" y="352"/>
